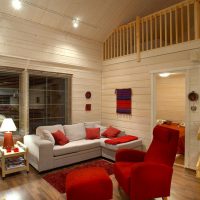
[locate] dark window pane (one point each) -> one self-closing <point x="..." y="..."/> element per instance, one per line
<point x="37" y="82"/>
<point x="9" y="96"/>
<point x="55" y="83"/>
<point x="47" y="101"/>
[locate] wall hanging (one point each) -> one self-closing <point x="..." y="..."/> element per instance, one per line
<point x="88" y="107"/>
<point x="193" y="97"/>
<point x="123" y="100"/>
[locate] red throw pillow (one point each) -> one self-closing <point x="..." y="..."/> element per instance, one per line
<point x="92" y="133"/>
<point x="60" y="138"/>
<point x="111" y="132"/>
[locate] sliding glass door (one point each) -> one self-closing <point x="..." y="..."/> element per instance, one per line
<point x="48" y="101"/>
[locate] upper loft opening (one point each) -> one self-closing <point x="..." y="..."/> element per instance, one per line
<point x="176" y="24"/>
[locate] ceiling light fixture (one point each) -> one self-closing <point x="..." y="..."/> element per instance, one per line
<point x="17" y="4"/>
<point x="75" y="22"/>
<point x="164" y="75"/>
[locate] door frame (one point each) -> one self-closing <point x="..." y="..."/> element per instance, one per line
<point x="184" y="70"/>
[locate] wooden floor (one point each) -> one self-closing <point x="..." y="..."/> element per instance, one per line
<point x="179" y="160"/>
<point x="23" y="186"/>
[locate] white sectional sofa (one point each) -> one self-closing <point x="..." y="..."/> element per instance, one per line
<point x="44" y="155"/>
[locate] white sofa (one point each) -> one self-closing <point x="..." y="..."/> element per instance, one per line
<point x="44" y="155"/>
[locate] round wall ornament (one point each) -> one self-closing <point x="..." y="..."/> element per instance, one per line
<point x="88" y="95"/>
<point x="193" y="96"/>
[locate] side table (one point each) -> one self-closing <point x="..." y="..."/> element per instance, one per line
<point x="4" y="155"/>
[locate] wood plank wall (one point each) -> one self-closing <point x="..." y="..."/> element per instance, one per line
<point x="126" y="72"/>
<point x="170" y="97"/>
<point x="45" y="49"/>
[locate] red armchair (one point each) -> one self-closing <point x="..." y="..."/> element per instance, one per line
<point x="147" y="175"/>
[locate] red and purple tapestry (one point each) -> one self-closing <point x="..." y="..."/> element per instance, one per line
<point x="124" y="101"/>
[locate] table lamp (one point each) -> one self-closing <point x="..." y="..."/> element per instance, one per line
<point x="7" y="126"/>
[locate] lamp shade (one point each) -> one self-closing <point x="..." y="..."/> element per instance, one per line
<point x="8" y="125"/>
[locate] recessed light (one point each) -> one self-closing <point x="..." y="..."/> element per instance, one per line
<point x="75" y="22"/>
<point x="17" y="4"/>
<point x="164" y="75"/>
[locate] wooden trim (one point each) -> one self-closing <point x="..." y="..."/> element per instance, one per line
<point x="171" y="28"/>
<point x="165" y="29"/>
<point x="182" y="25"/>
<point x="164" y="198"/>
<point x="134" y="31"/>
<point x="188" y="21"/>
<point x="124" y="40"/>
<point x="120" y="53"/>
<point x="142" y="21"/>
<point x="197" y="19"/>
<point x="176" y="24"/>
<point x="111" y="45"/>
<point x="147" y="35"/>
<point x="151" y="33"/>
<point x="117" y="42"/>
<point x="131" y="38"/>
<point x="138" y="37"/>
<point x="156" y="32"/>
<point x="160" y="29"/>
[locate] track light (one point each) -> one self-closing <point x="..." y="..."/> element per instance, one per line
<point x="17" y="4"/>
<point x="75" y="22"/>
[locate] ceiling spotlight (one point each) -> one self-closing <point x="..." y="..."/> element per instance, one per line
<point x="17" y="4"/>
<point x="164" y="75"/>
<point x="75" y="22"/>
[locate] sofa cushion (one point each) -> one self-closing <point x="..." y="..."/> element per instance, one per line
<point x="75" y="131"/>
<point x="111" y="132"/>
<point x="75" y="146"/>
<point x="60" y="137"/>
<point x="92" y="133"/>
<point x="46" y="135"/>
<point x="52" y="128"/>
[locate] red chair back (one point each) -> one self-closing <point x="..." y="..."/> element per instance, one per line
<point x="163" y="148"/>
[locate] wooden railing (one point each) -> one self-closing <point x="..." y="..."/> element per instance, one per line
<point x="176" y="24"/>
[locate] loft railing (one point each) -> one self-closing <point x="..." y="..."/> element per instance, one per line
<point x="176" y="24"/>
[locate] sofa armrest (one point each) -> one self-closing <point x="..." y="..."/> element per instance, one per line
<point x="153" y="178"/>
<point x="40" y="151"/>
<point x="129" y="155"/>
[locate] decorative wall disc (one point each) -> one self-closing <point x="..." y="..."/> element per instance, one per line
<point x="88" y="95"/>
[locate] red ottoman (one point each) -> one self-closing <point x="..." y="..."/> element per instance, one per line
<point x="91" y="183"/>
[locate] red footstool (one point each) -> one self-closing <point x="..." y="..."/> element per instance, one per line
<point x="91" y="183"/>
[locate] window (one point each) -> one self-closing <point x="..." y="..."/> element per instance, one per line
<point x="49" y="99"/>
<point x="9" y="96"/>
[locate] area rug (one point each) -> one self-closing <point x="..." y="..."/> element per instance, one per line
<point x="57" y="179"/>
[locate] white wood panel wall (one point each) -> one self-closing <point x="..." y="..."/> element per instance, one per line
<point x="126" y="72"/>
<point x="170" y="95"/>
<point x="34" y="41"/>
<point x="27" y="45"/>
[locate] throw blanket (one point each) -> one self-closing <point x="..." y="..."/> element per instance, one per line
<point x="123" y="101"/>
<point x="122" y="139"/>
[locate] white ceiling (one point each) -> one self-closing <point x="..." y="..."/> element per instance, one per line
<point x="98" y="17"/>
